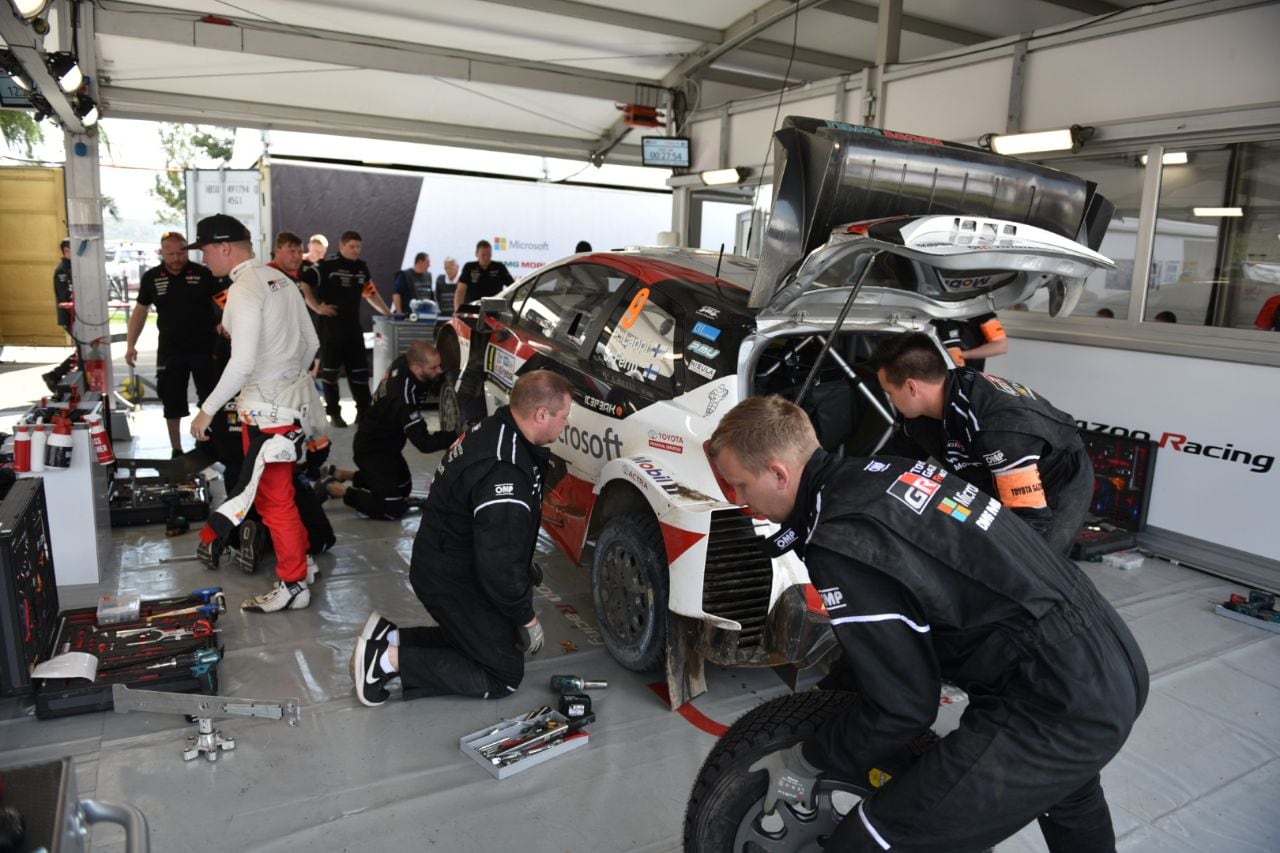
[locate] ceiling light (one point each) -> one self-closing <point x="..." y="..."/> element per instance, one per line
<point x="87" y="110"/>
<point x="1218" y="211"/>
<point x="1068" y="139"/>
<point x="1169" y="158"/>
<point x="64" y="69"/>
<point x="719" y="177"/>
<point x="11" y="66"/>
<point x="29" y="8"/>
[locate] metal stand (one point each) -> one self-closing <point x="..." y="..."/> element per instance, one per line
<point x="208" y="741"/>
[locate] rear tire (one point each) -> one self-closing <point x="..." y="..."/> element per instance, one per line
<point x="726" y="805"/>
<point x="450" y="408"/>
<point x="629" y="589"/>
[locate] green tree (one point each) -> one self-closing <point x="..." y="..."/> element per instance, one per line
<point x="20" y="131"/>
<point x="184" y="145"/>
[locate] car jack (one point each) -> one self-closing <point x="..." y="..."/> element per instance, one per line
<point x="203" y="708"/>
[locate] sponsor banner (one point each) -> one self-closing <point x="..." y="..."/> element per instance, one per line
<point x="603" y="446"/>
<point x="1214" y="423"/>
<point x="502" y="365"/>
<point x="595" y="404"/>
<point x="656" y="475"/>
<point x="668" y="441"/>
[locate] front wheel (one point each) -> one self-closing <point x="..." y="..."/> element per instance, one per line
<point x="450" y="410"/>
<point x="726" y="806"/>
<point x="629" y="589"/>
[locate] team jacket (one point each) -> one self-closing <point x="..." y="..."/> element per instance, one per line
<point x="62" y="290"/>
<point x="480" y="522"/>
<point x="396" y="417"/>
<point x="925" y="578"/>
<point x="1000" y="436"/>
<point x="961" y="335"/>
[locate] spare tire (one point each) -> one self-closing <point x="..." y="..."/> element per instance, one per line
<point x="726" y="807"/>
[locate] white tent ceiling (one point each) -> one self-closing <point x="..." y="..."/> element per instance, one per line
<point x="535" y="76"/>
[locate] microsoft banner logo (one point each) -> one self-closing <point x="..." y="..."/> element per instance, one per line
<point x="499" y="244"/>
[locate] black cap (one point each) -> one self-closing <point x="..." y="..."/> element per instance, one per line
<point x="219" y="228"/>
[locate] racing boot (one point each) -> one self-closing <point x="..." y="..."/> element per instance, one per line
<point x="209" y="553"/>
<point x="284" y="595"/>
<point x="253" y="541"/>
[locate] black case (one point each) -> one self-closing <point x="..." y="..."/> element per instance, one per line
<point x="28" y="589"/>
<point x="151" y="500"/>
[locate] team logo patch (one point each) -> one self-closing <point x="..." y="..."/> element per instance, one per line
<point x="703" y="330"/>
<point x="994" y="458"/>
<point x="914" y="490"/>
<point x="504" y="489"/>
<point x="786" y="539"/>
<point x="703" y="370"/>
<point x="955" y="510"/>
<point x="704" y="350"/>
<point x="1013" y="389"/>
<point x="709" y="311"/>
<point x="876" y="467"/>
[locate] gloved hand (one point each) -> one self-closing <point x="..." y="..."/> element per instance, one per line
<point x="535" y="573"/>
<point x="531" y="638"/>
<point x="791" y="778"/>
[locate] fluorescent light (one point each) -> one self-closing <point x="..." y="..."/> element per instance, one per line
<point x="716" y="177"/>
<point x="1027" y="143"/>
<point x="1218" y="211"/>
<point x="1169" y="158"/>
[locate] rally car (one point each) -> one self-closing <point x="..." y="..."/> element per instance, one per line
<point x="870" y="234"/>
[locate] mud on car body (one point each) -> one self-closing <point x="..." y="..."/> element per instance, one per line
<point x="869" y="235"/>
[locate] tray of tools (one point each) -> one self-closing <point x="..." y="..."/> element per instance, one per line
<point x="172" y="645"/>
<point x="512" y="746"/>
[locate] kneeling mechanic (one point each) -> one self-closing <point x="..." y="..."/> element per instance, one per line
<point x="926" y="578"/>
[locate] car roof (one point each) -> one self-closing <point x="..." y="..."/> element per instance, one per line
<point x="693" y="271"/>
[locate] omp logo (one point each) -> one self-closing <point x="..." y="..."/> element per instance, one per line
<point x="504" y="489"/>
<point x="876" y="467"/>
<point x="994" y="458"/>
<point x="914" y="490"/>
<point x="832" y="597"/>
<point x="786" y="539"/>
<point x="504" y="244"/>
<point x="1258" y="463"/>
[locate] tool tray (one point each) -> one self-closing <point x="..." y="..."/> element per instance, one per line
<point x="150" y="500"/>
<point x="471" y="744"/>
<point x="126" y="660"/>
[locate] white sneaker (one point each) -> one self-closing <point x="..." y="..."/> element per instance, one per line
<point x="282" y="596"/>
<point x="313" y="571"/>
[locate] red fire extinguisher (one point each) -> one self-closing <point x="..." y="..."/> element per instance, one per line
<point x="95" y="368"/>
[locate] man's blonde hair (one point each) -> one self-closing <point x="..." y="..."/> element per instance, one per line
<point x="760" y="430"/>
<point x="540" y="388"/>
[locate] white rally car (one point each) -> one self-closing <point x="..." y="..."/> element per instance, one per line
<point x="871" y="234"/>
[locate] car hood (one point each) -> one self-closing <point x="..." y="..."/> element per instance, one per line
<point x="934" y="203"/>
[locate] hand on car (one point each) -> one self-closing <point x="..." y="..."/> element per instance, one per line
<point x="791" y="778"/>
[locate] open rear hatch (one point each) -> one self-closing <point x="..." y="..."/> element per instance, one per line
<point x="954" y="226"/>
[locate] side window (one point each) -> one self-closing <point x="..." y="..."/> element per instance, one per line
<point x="519" y="295"/>
<point x="639" y="341"/>
<point x="565" y="301"/>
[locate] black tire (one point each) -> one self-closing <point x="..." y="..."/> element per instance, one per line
<point x="726" y="806"/>
<point x="629" y="589"/>
<point x="450" y="408"/>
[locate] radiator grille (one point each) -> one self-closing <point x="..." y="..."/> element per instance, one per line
<point x="739" y="577"/>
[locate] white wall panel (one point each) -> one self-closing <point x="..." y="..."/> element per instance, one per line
<point x="751" y="131"/>
<point x="705" y="144"/>
<point x="956" y="104"/>
<point x="1210" y="63"/>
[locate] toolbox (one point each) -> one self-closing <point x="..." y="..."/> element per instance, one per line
<point x="525" y="731"/>
<point x="172" y="643"/>
<point x="1122" y="474"/>
<point x="154" y="500"/>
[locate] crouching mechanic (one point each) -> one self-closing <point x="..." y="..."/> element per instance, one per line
<point x="472" y="558"/>
<point x="381" y="483"/>
<point x="925" y="578"/>
<point x="272" y="343"/>
<point x="997" y="434"/>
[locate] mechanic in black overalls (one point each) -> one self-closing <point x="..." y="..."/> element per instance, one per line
<point x="472" y="559"/>
<point x="381" y="481"/>
<point x="478" y="279"/>
<point x="971" y="342"/>
<point x="344" y="281"/>
<point x="998" y="435"/>
<point x="925" y="578"/>
<point x="62" y="294"/>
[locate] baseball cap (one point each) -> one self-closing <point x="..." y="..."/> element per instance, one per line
<point x="319" y="238"/>
<point x="219" y="228"/>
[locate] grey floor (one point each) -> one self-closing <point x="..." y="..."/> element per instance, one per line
<point x="1200" y="772"/>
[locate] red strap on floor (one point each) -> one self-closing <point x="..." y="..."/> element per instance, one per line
<point x="690" y="713"/>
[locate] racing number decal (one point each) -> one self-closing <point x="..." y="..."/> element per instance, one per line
<point x="634" y="309"/>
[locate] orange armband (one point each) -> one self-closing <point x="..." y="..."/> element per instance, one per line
<point x="1021" y="488"/>
<point x="993" y="330"/>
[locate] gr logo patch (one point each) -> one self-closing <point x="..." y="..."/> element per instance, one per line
<point x="914" y="491"/>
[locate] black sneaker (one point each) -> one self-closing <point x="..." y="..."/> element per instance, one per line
<point x="376" y="627"/>
<point x="367" y="672"/>
<point x="251" y="545"/>
<point x="209" y="553"/>
<point x="335" y="418"/>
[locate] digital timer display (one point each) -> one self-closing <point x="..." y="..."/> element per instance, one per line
<point x="667" y="152"/>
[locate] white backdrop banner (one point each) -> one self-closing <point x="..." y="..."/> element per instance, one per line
<point x="1217" y="425"/>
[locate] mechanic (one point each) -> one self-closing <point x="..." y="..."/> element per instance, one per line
<point x="412" y="283"/>
<point x="62" y="294"/>
<point x="344" y="281"/>
<point x="999" y="435"/>
<point x="447" y="285"/>
<point x="272" y="343"/>
<point x="926" y="579"/>
<point x="480" y="278"/>
<point x="316" y="248"/>
<point x="971" y="342"/>
<point x="187" y="317"/>
<point x="380" y="484"/>
<point x="472" y="559"/>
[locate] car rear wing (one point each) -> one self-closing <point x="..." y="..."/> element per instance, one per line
<point x="827" y="173"/>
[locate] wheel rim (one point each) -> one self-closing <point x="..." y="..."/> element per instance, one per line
<point x="450" y="414"/>
<point x="790" y="830"/>
<point x="625" y="595"/>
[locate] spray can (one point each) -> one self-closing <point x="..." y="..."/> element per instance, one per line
<point x="100" y="440"/>
<point x="95" y="368"/>
<point x="58" y="453"/>
<point x="39" y="441"/>
<point x="22" y="448"/>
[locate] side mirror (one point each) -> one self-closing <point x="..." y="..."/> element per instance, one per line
<point x="496" y="307"/>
